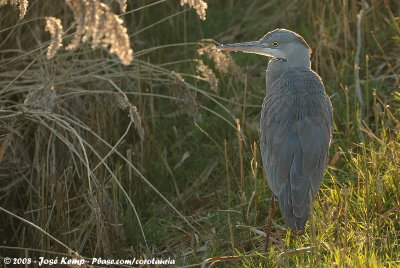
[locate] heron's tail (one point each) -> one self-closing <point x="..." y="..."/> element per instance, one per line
<point x="295" y="217"/>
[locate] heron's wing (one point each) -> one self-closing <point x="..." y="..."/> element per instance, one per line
<point x="296" y="128"/>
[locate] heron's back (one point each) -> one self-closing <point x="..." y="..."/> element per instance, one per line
<point x="295" y="134"/>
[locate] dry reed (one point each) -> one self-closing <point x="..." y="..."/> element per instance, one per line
<point x="123" y="5"/>
<point x="54" y="27"/>
<point x="185" y="94"/>
<point x="223" y="62"/>
<point x="199" y="5"/>
<point x="207" y="74"/>
<point x="22" y="5"/>
<point x="124" y="104"/>
<point x="96" y="22"/>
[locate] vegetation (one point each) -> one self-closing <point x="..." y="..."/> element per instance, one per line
<point x="154" y="152"/>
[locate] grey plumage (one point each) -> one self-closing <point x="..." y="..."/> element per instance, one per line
<point x="296" y="123"/>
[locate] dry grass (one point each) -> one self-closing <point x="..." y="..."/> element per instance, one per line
<point x="85" y="138"/>
<point x="42" y="98"/>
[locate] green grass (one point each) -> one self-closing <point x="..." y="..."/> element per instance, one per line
<point x="195" y="188"/>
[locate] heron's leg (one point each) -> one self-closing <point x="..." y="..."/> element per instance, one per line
<point x="271" y="214"/>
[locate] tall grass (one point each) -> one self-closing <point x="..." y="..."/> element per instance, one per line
<point x="99" y="159"/>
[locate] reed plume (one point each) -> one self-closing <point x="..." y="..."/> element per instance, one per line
<point x="22" y="5"/>
<point x="96" y="22"/>
<point x="54" y="27"/>
<point x="199" y="5"/>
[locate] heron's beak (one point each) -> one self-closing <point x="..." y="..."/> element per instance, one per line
<point x="254" y="47"/>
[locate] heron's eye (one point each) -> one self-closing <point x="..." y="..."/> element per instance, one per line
<point x="275" y="44"/>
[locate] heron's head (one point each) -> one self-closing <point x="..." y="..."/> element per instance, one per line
<point x="280" y="43"/>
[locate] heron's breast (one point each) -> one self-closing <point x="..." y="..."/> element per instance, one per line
<point x="289" y="106"/>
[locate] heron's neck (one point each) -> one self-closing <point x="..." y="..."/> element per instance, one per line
<point x="276" y="67"/>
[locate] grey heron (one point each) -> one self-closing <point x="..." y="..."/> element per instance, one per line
<point x="296" y="123"/>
